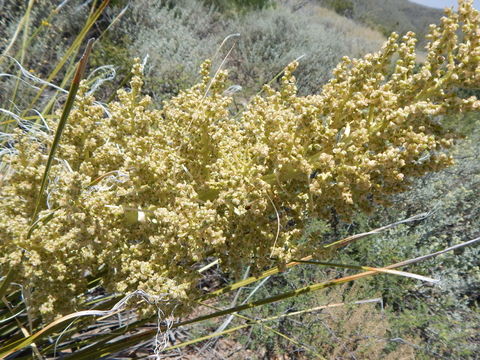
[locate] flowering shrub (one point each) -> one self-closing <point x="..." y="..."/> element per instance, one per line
<point x="142" y="194"/>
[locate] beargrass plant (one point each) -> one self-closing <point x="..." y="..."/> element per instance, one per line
<point x="134" y="198"/>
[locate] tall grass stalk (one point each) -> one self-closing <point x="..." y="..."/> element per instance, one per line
<point x="82" y="64"/>
<point x="26" y="26"/>
<point x="71" y="51"/>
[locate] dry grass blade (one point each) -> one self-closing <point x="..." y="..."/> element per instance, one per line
<point x="102" y="348"/>
<point x="369" y="268"/>
<point x="334" y="245"/>
<point x="73" y="48"/>
<point x="252" y="322"/>
<point x="20" y="344"/>
<point x="350" y="239"/>
<point x="26" y="26"/>
<point x="21" y="25"/>
<point x="208" y="266"/>
<point x="23" y="329"/>
<point x="6" y="282"/>
<point x="326" y="284"/>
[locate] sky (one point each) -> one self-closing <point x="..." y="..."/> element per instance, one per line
<point x="444" y="3"/>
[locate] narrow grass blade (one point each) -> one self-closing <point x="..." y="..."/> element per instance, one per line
<point x="369" y="268"/>
<point x="82" y="64"/>
<point x="350" y="239"/>
<point x="323" y="307"/>
<point x="208" y="266"/>
<point x="22" y="50"/>
<point x="207" y="337"/>
<point x="40" y="220"/>
<point x="98" y="350"/>
<point x="6" y="282"/>
<point x="437" y="253"/>
<point x="334" y="245"/>
<point x="271" y="318"/>
<point x="22" y="23"/>
<point x="23" y="330"/>
<point x="261" y="323"/>
<point x="70" y="69"/>
<point x="73" y="48"/>
<point x="20" y="344"/>
<point x="326" y="284"/>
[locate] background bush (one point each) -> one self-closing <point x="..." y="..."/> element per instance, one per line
<point x="446" y="316"/>
<point x="177" y="39"/>
<point x="388" y="15"/>
<point x="239" y="5"/>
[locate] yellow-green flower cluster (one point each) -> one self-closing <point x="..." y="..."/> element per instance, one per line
<point x="140" y="195"/>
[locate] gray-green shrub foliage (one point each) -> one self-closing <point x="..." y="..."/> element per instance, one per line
<point x="388" y="15"/>
<point x="446" y="316"/>
<point x="444" y="319"/>
<point x="275" y="37"/>
<point x="178" y="39"/>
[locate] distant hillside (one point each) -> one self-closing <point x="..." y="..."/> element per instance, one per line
<point x="388" y="15"/>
